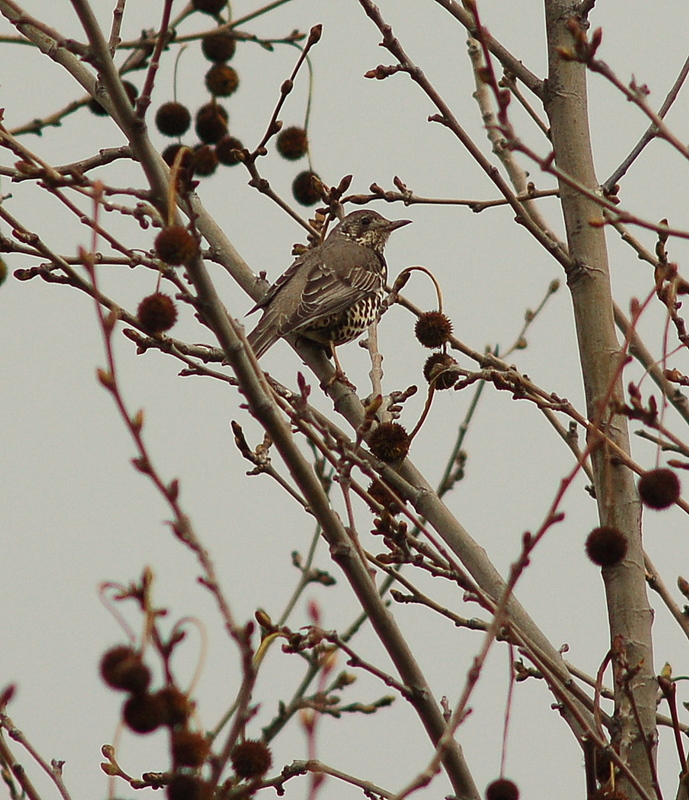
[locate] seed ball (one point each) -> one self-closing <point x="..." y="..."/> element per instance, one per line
<point x="389" y="442"/>
<point x="122" y="668"/>
<point x="204" y="162"/>
<point x="170" y="153"/>
<point x="222" y="80"/>
<point x="188" y="787"/>
<point x="434" y="370"/>
<point x="220" y="46"/>
<point x="251" y="758"/>
<point x="189" y="748"/>
<point x="382" y="495"/>
<point x="225" y="150"/>
<point x="502" y="789"/>
<point x="433" y="329"/>
<point x="292" y="143"/>
<point x="606" y="546"/>
<point x="211" y="123"/>
<point x="173" y="119"/>
<point x="304" y="188"/>
<point x="659" y="488"/>
<point x="213" y="7"/>
<point x="143" y="713"/>
<point x="157" y="313"/>
<point x="96" y="108"/>
<point x="178" y="707"/>
<point x="175" y="245"/>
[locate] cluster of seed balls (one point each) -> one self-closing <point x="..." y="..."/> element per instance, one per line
<point x="658" y="489"/>
<point x="211" y="121"/>
<point x="389" y="441"/>
<point x="144" y="711"/>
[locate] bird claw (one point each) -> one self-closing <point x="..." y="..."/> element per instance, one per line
<point x="338" y="376"/>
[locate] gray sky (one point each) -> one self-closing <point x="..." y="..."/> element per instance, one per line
<point x="76" y="514"/>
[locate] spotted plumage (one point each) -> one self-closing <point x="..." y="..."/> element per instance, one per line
<point x="334" y="291"/>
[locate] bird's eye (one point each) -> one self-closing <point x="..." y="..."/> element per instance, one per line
<point x="366" y="220"/>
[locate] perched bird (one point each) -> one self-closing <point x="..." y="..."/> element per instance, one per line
<point x="332" y="292"/>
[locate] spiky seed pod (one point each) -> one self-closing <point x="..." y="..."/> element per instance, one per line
<point x="433" y="329"/>
<point x="173" y="119"/>
<point x="204" y="161"/>
<point x="211" y="123"/>
<point x="502" y="789"/>
<point x="304" y="188"/>
<point x="188" y="787"/>
<point x="189" y="748"/>
<point x="122" y="668"/>
<point x="170" y="153"/>
<point x="433" y="370"/>
<point x="382" y="495"/>
<point x="143" y="713"/>
<point x="178" y="707"/>
<point x="606" y="546"/>
<point x="389" y="442"/>
<point x="96" y="108"/>
<point x="225" y="148"/>
<point x="175" y="245"/>
<point x="131" y="91"/>
<point x="220" y="46"/>
<point x="213" y="7"/>
<point x="251" y="758"/>
<point x="157" y="313"/>
<point x="292" y="143"/>
<point x="222" y="80"/>
<point x="659" y="488"/>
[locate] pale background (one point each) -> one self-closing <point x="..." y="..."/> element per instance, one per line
<point x="75" y="513"/>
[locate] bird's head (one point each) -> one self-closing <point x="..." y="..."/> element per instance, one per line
<point x="368" y="228"/>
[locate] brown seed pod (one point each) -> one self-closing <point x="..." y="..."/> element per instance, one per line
<point x="225" y="148"/>
<point x="189" y="748"/>
<point x="175" y="245"/>
<point x="220" y="46"/>
<point x="433" y="370"/>
<point x="96" y="108"/>
<point x="251" y="758"/>
<point x="502" y="789"/>
<point x="213" y="7"/>
<point x="659" y="488"/>
<point x="170" y="153"/>
<point x="157" y="313"/>
<point x="304" y="188"/>
<point x="382" y="495"/>
<point x="173" y="119"/>
<point x="143" y="713"/>
<point x="188" y="787"/>
<point x="177" y="706"/>
<point x="292" y="143"/>
<point x="222" y="80"/>
<point x="204" y="161"/>
<point x="606" y="546"/>
<point x="389" y="442"/>
<point x="433" y="329"/>
<point x="122" y="668"/>
<point x="211" y="123"/>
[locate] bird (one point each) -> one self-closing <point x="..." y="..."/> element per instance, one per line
<point x="332" y="292"/>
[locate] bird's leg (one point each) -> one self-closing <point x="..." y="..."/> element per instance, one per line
<point x="338" y="375"/>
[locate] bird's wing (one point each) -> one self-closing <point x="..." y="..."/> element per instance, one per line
<point x="279" y="283"/>
<point x="338" y="279"/>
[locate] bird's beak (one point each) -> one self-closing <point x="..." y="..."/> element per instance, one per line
<point x="394" y="224"/>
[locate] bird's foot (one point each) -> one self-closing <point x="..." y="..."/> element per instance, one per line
<point x="338" y="376"/>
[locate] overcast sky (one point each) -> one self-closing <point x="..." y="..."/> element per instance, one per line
<point x="76" y="514"/>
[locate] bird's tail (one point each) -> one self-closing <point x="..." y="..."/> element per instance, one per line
<point x="261" y="337"/>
